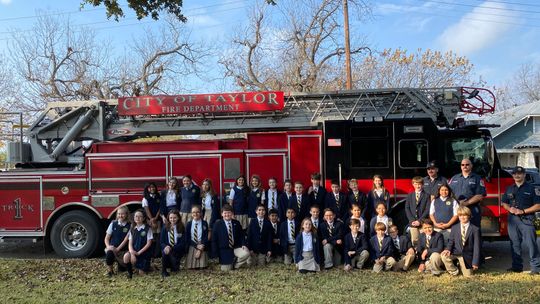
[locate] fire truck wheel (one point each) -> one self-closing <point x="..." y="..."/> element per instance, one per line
<point x="75" y="234"/>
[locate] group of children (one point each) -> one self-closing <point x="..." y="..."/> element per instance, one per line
<point x="257" y="227"/>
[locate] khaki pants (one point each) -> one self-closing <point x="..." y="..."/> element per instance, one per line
<point x="242" y="257"/>
<point x="360" y="259"/>
<point x="331" y="256"/>
<point x="259" y="259"/>
<point x="243" y="219"/>
<point x="445" y="233"/>
<point x="452" y="269"/>
<point x="288" y="256"/>
<point x="415" y="234"/>
<point x="185" y="217"/>
<point x="434" y="264"/>
<point x="208" y="217"/>
<point x="405" y="261"/>
<point x="388" y="264"/>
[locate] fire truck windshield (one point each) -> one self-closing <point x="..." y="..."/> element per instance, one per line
<point x="476" y="149"/>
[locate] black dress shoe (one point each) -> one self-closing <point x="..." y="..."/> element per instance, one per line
<point x="514" y="270"/>
<point x="110" y="274"/>
<point x="164" y="274"/>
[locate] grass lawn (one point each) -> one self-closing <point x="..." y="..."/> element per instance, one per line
<point x="84" y="281"/>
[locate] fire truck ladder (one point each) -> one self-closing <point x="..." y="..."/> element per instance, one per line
<point x="63" y="124"/>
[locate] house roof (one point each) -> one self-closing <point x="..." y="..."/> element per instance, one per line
<point x="532" y="141"/>
<point x="508" y="118"/>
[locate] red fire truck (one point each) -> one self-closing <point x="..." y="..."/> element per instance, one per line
<point x="79" y="163"/>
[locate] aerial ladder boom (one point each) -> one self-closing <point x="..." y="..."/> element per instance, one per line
<point x="63" y="126"/>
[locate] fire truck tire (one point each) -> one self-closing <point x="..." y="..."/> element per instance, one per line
<point x="75" y="234"/>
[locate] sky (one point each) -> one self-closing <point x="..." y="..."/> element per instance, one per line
<point x="497" y="36"/>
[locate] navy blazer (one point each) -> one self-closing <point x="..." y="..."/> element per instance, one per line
<point x="304" y="206"/>
<point x="180" y="242"/>
<point x="404" y="245"/>
<point x="283" y="203"/>
<point x="330" y="202"/>
<point x="220" y="241"/>
<point x="471" y="250"/>
<point x="276" y="248"/>
<point x="387" y="247"/>
<point x="299" y="248"/>
<point x="362" y="200"/>
<point x="321" y="195"/>
<point x="435" y="245"/>
<point x="337" y="232"/>
<point x="284" y="234"/>
<point x="204" y="237"/>
<point x="414" y="211"/>
<point x="163" y="209"/>
<point x="216" y="210"/>
<point x="259" y="241"/>
<point x="373" y="198"/>
<point x="357" y="246"/>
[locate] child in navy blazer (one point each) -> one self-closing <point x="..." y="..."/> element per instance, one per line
<point x="283" y="200"/>
<point x="429" y="248"/>
<point x="276" y="248"/>
<point x="255" y="197"/>
<point x="463" y="245"/>
<point x="228" y="241"/>
<point x="173" y="243"/>
<point x="306" y="253"/>
<point x="316" y="192"/>
<point x="259" y="238"/>
<point x="355" y="196"/>
<point x="382" y="249"/>
<point x="332" y="239"/>
<point x="337" y="201"/>
<point x="190" y="195"/>
<point x="299" y="201"/>
<point x="404" y="253"/>
<point x="417" y="208"/>
<point x="210" y="204"/>
<point x="170" y="198"/>
<point x="356" y="247"/>
<point x="197" y="232"/>
<point x="288" y="230"/>
<point x="381" y="217"/>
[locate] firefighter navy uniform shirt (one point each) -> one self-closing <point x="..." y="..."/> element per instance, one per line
<point x="521" y="197"/>
<point x="467" y="187"/>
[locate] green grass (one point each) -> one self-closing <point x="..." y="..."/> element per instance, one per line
<point x="84" y="281"/>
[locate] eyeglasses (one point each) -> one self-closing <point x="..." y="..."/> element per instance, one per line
<point x="465" y="165"/>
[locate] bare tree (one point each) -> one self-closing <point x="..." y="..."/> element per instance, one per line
<point x="523" y="87"/>
<point x="297" y="46"/>
<point x="59" y="62"/>
<point x="421" y="69"/>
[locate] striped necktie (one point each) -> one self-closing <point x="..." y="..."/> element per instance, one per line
<point x="356" y="197"/>
<point x="463" y="235"/>
<point x="293" y="234"/>
<point x="273" y="200"/>
<point x="380" y="244"/>
<point x="171" y="237"/>
<point x="428" y="240"/>
<point x="337" y="202"/>
<point x="330" y="228"/>
<point x="231" y="241"/>
<point x="299" y="201"/>
<point x="196" y="232"/>
<point x="315" y="193"/>
<point x="260" y="225"/>
<point x="417" y="197"/>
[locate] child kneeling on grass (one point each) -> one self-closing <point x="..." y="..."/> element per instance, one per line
<point x="140" y="240"/>
<point x="116" y="240"/>
<point x="463" y="245"/>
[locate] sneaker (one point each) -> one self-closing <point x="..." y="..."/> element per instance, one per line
<point x="514" y="270"/>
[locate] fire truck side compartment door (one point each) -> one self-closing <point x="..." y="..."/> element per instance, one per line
<point x="20" y="204"/>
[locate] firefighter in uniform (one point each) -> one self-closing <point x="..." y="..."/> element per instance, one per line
<point x="433" y="180"/>
<point x="469" y="190"/>
<point x="522" y="200"/>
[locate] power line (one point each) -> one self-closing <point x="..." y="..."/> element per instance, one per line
<point x="102" y="8"/>
<point x="484" y="7"/>
<point x="511" y="3"/>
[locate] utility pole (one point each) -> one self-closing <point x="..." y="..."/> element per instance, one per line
<point x="347" y="45"/>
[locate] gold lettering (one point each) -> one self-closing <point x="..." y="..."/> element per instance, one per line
<point x="244" y="98"/>
<point x="220" y="98"/>
<point x="125" y="105"/>
<point x="233" y="97"/>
